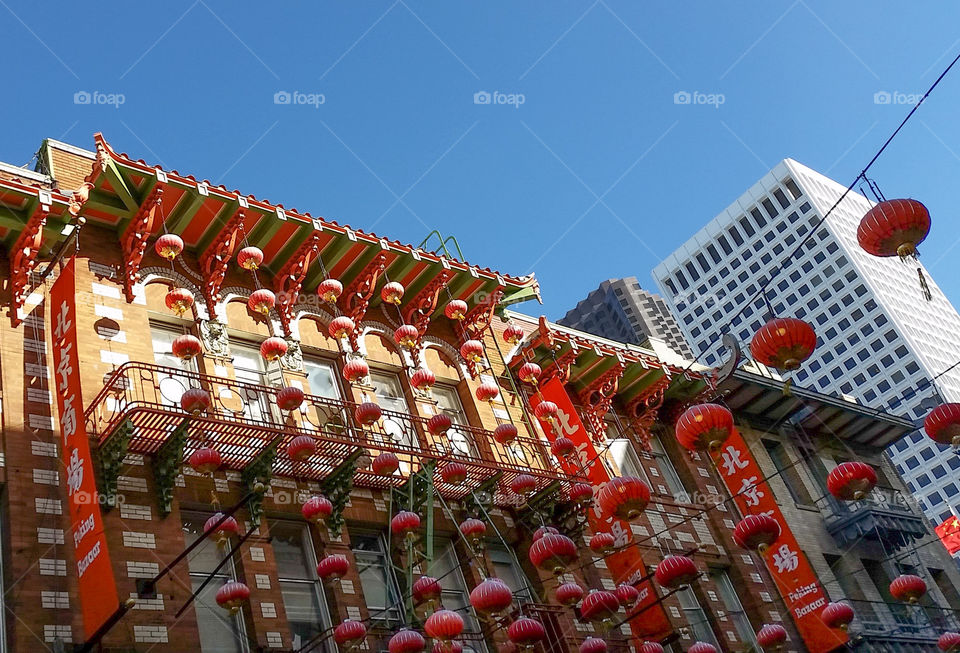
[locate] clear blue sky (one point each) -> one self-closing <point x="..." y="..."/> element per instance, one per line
<point x="597" y="174"/>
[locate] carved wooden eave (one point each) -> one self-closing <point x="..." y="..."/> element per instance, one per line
<point x="481" y="315"/>
<point x="643" y="410"/>
<point x="215" y="261"/>
<point x="289" y="280"/>
<point x="597" y="399"/>
<point x="357" y="296"/>
<point x="24" y="256"/>
<point x="133" y="243"/>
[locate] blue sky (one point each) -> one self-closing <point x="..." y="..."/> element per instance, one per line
<point x="597" y="173"/>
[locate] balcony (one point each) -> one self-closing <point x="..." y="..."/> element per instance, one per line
<point x="138" y="411"/>
<point x="901" y="627"/>
<point x="886" y="514"/>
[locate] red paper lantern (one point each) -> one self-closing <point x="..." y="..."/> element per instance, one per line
<point x="949" y="642"/>
<point x="406" y="335"/>
<point x="289" y="398"/>
<point x="505" y="433"/>
<point x="205" y="460"/>
<point x="702" y="647"/>
<point x="627" y="594"/>
<point x="452" y="646"/>
<point x="526" y="632"/>
<point x="650" y="647"/>
<point x="330" y="290"/>
<point x="543" y="530"/>
<point x="316" y="509"/>
<point x="472" y="351"/>
<point x="581" y="494"/>
<point x="513" y="334"/>
<point x="355" y="370"/>
<point x="250" y="258"/>
<point x="261" y="301"/>
<point x="624" y="497"/>
<point x="439" y="424"/>
<point x="943" y="424"/>
<point x="341" y="327"/>
<point x="301" y="448"/>
<point x="602" y="542"/>
<point x="186" y="347"/>
<point x="423" y="379"/>
<point x="487" y="391"/>
<point x="569" y="594"/>
<point x="273" y="348"/>
<point x="349" y="633"/>
<point x="169" y="246"/>
<point x="456" y="309"/>
<point x="367" y="413"/>
<point x="593" y="645"/>
<point x="220" y="534"/>
<point x="232" y="596"/>
<point x="676" y="571"/>
<point x="894" y="228"/>
<point x="386" y="464"/>
<point x="453" y="473"/>
<point x="563" y="447"/>
<point x="473" y="530"/>
<point x="783" y="343"/>
<point x="756" y="532"/>
<point x="546" y="411"/>
<point x="772" y="636"/>
<point x="553" y="552"/>
<point x="443" y="625"/>
<point x="704" y="426"/>
<point x="195" y="401"/>
<point x="851" y="481"/>
<point x="426" y="589"/>
<point x="530" y="373"/>
<point x="837" y="615"/>
<point x="406" y="641"/>
<point x="908" y="587"/>
<point x="491" y="597"/>
<point x="392" y="293"/>
<point x="599" y="605"/>
<point x="405" y="524"/>
<point x="523" y="484"/>
<point x="334" y="566"/>
<point x="179" y="300"/>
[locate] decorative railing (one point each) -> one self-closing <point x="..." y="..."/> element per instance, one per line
<point x="902" y="621"/>
<point x="885" y="513"/>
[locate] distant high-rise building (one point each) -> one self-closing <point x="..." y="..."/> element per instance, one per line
<point x="879" y="340"/>
<point x="621" y="310"/>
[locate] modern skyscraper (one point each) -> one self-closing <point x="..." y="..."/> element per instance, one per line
<point x="621" y="310"/>
<point x="879" y="341"/>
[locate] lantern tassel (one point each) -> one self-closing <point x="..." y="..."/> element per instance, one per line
<point x="923" y="285"/>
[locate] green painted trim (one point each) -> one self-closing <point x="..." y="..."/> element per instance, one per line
<point x="265" y="230"/>
<point x="299" y="237"/>
<point x="121" y="186"/>
<point x="184" y="213"/>
<point x="331" y="254"/>
<point x="227" y="211"/>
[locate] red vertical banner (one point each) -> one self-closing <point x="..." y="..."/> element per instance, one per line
<point x="626" y="565"/>
<point x="791" y="571"/>
<point x="97" y="587"/>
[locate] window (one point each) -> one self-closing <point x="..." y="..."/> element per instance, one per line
<point x="219" y="631"/>
<point x="734" y="608"/>
<point x="376" y="578"/>
<point x="446" y="568"/>
<point x="506" y="567"/>
<point x="248" y="368"/>
<point x="448" y="401"/>
<point x="621" y="459"/>
<point x="303" y="600"/>
<point x="788" y="472"/>
<point x="169" y="387"/>
<point x="670" y="476"/>
<point x="390" y="397"/>
<point x="696" y="617"/>
<point x="322" y="379"/>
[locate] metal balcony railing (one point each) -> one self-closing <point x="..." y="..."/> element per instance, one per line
<point x="902" y="622"/>
<point x="886" y="513"/>
<point x="243" y="420"/>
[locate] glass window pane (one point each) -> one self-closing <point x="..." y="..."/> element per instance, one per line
<point x="247" y="363"/>
<point x="460" y="440"/>
<point x="506" y="569"/>
<point x="321" y="379"/>
<point x="206" y="556"/>
<point x="303" y="610"/>
<point x="696" y="617"/>
<point x="289" y="549"/>
<point x="375" y="577"/>
<point x="390" y="397"/>
<point x="219" y="631"/>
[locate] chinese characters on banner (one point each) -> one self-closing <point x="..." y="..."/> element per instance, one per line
<point x="97" y="588"/>
<point x="626" y="565"/>
<point x="795" y="578"/>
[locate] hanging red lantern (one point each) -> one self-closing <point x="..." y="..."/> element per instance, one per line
<point x="195" y="401"/>
<point x="756" y="532"/>
<point x="367" y="413"/>
<point x="169" y="246"/>
<point x="423" y="380"/>
<point x="581" y="494"/>
<point x="406" y="641"/>
<point x="543" y="530"/>
<point x="289" y="398"/>
<point x="491" y="597"/>
<point x="523" y="484"/>
<point x="624" y="497"/>
<point x="220" y="534"/>
<point x="894" y="228"/>
<point x="301" y="448"/>
<point x="783" y="343"/>
<point x="232" y="596"/>
<point x="593" y="645"/>
<point x="473" y="530"/>
<point x="602" y="542"/>
<point x="949" y="642"/>
<point x="456" y="309"/>
<point x="702" y="647"/>
<point x="487" y="391"/>
<point x="179" y="300"/>
<point x="452" y="646"/>
<point x="205" y="460"/>
<point x="627" y="594"/>
<point x="330" y="290"/>
<point x="273" y="348"/>
<point x="599" y="605"/>
<point x="505" y="433"/>
<point x="772" y="636"/>
<point x="250" y="258"/>
<point x="406" y="335"/>
<point x="405" y="524"/>
<point x="349" y="633"/>
<point x="553" y="552"/>
<point x="908" y="588"/>
<point x="355" y="370"/>
<point x="650" y="647"/>
<point x="261" y="301"/>
<point x="443" y="625"/>
<point x="334" y="566"/>
<point x="316" y="509"/>
<point x="472" y="351"/>
<point x="341" y="327"/>
<point x="186" y="347"/>
<point x="569" y="594"/>
<point x="439" y="424"/>
<point x="563" y="447"/>
<point x="837" y="615"/>
<point x="530" y="373"/>
<point x="513" y="334"/>
<point x="546" y="411"/>
<point x="943" y="424"/>
<point x="676" y="571"/>
<point x="392" y="293"/>
<point x="453" y="473"/>
<point x="526" y="632"/>
<point x="386" y="464"/>
<point x="851" y="481"/>
<point x="704" y="426"/>
<point x="426" y="589"/>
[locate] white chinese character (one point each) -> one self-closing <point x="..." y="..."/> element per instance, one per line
<point x="750" y="490"/>
<point x="565" y="425"/>
<point x="731" y="460"/>
<point x="62" y="325"/>
<point x="64" y="368"/>
<point x="68" y="420"/>
<point x="74" y="473"/>
<point x="785" y="560"/>
<point x="621" y="536"/>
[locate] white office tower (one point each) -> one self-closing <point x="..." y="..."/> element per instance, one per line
<point x="880" y="341"/>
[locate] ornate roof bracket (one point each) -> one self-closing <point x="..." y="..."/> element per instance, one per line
<point x="419" y="310"/>
<point x="481" y="315"/>
<point x="256" y="478"/>
<point x="561" y="366"/>
<point x="643" y="410"/>
<point x="166" y="466"/>
<point x="598" y="397"/>
<point x="134" y="240"/>
<point x="356" y="298"/>
<point x="24" y="258"/>
<point x="215" y="261"/>
<point x="289" y="281"/>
